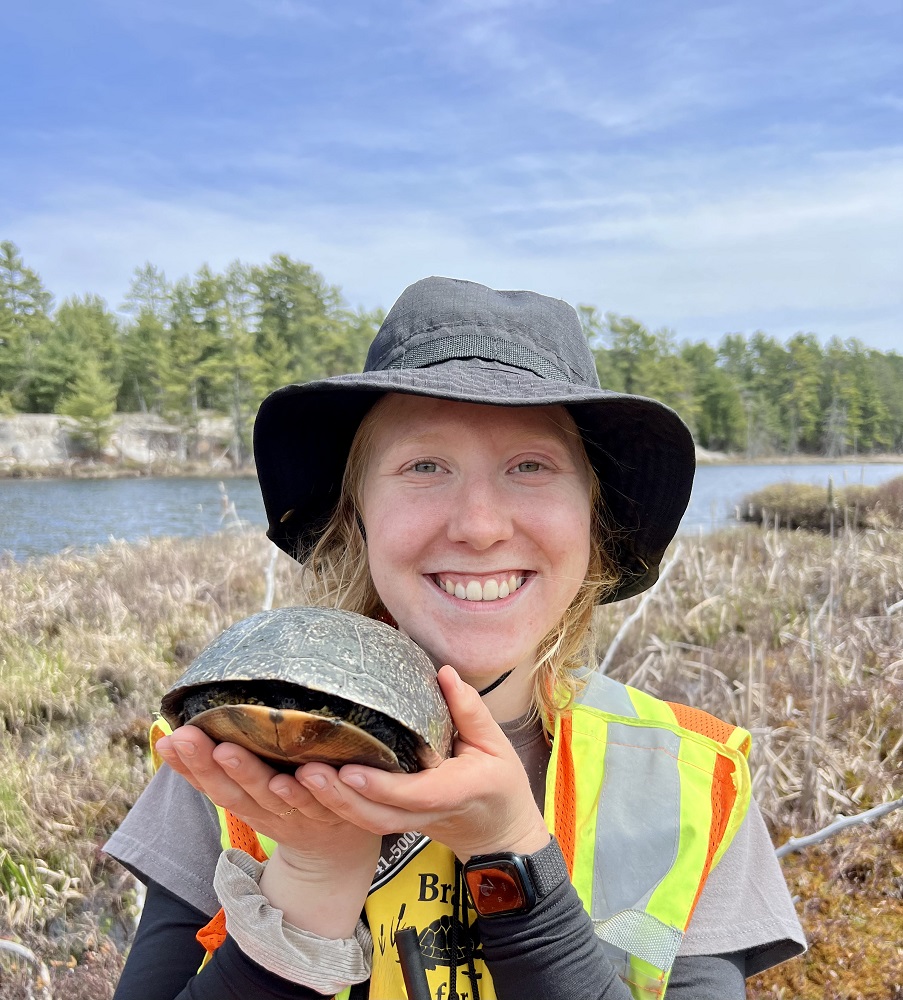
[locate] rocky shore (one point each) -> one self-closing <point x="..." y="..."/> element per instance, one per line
<point x="34" y="445"/>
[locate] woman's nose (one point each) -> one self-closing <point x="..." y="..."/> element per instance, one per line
<point x="480" y="515"/>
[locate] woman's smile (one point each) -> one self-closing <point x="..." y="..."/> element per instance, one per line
<point x="481" y="588"/>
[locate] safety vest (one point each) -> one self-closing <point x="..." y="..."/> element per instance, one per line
<point x="644" y="797"/>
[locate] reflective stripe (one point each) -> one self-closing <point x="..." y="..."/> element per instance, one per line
<point x="623" y="861"/>
<point x="648" y="708"/>
<point x="740" y="740"/>
<point x="159" y="727"/>
<point x="607" y="695"/>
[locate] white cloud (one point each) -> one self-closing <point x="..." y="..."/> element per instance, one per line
<point x="817" y="250"/>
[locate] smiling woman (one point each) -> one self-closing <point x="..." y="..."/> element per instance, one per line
<point x="478" y="490"/>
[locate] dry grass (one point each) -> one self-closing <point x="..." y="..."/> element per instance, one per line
<point x="793" y="635"/>
<point x="820" y="508"/>
<point x="790" y="636"/>
<point x="88" y="644"/>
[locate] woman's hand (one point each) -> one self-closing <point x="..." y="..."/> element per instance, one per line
<point x="476" y="802"/>
<point x="321" y="870"/>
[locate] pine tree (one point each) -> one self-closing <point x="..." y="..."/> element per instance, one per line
<point x="145" y="341"/>
<point x="800" y="402"/>
<point x="90" y="402"/>
<point x="24" y="324"/>
<point x="720" y="420"/>
<point x="238" y="375"/>
<point x="81" y="328"/>
<point x="301" y="318"/>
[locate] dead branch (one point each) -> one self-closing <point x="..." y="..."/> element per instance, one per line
<point x="638" y="611"/>
<point x="798" y="843"/>
<point x="270" y="577"/>
<point x="41" y="972"/>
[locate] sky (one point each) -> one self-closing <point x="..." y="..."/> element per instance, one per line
<point x="707" y="167"/>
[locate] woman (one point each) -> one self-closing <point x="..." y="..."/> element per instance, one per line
<point x="475" y="486"/>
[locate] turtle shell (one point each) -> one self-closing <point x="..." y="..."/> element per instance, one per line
<point x="302" y="684"/>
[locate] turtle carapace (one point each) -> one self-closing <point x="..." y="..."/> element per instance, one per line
<point x="303" y="684"/>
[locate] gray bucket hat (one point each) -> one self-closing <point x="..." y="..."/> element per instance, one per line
<point x="462" y="341"/>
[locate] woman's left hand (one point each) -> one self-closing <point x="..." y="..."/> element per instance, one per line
<point x="476" y="802"/>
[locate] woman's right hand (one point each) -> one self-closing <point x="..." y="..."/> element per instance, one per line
<point x="321" y="870"/>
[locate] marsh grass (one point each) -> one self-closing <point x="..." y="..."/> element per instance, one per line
<point x="794" y="635"/>
<point x="826" y="508"/>
<point x="88" y="644"/>
<point x="789" y="635"/>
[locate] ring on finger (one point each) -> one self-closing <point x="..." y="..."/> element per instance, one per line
<point x="288" y="812"/>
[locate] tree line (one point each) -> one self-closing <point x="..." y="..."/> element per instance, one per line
<point x="755" y="395"/>
<point x="221" y="341"/>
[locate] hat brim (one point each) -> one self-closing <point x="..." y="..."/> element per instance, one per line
<point x="641" y="451"/>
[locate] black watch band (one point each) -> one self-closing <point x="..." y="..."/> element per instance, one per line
<point x="548" y="868"/>
<point x="504" y="884"/>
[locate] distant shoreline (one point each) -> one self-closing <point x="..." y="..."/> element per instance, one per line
<point x="704" y="457"/>
<point x="98" y="470"/>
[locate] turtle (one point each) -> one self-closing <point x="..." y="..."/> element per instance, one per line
<point x="306" y="684"/>
<point x="439" y="946"/>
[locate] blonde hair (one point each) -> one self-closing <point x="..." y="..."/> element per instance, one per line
<point x="340" y="576"/>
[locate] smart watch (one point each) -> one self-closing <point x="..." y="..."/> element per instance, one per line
<point x="505" y="884"/>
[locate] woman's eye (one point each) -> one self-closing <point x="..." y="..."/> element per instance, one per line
<point x="529" y="466"/>
<point x="425" y="467"/>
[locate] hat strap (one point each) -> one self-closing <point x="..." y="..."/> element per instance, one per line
<point x="441" y="349"/>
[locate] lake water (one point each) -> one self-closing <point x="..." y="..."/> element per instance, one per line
<point x="38" y="517"/>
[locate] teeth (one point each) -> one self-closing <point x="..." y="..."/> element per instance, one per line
<point x="491" y="590"/>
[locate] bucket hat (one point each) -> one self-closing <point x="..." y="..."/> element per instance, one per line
<point x="459" y="340"/>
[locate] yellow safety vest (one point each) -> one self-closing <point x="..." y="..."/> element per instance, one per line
<point x="644" y="797"/>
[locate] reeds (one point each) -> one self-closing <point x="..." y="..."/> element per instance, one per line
<point x="796" y="636"/>
<point x="789" y="635"/>
<point x="88" y="644"/>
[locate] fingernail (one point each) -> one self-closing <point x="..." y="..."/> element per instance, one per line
<point x="184" y="748"/>
<point x="283" y="793"/>
<point x="317" y="780"/>
<point x="232" y="762"/>
<point x="355" y="779"/>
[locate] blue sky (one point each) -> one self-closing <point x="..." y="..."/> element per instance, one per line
<point x="709" y="167"/>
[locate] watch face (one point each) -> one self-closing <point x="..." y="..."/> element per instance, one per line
<point x="499" y="888"/>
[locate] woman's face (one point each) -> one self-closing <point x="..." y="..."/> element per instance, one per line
<point x="478" y="526"/>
